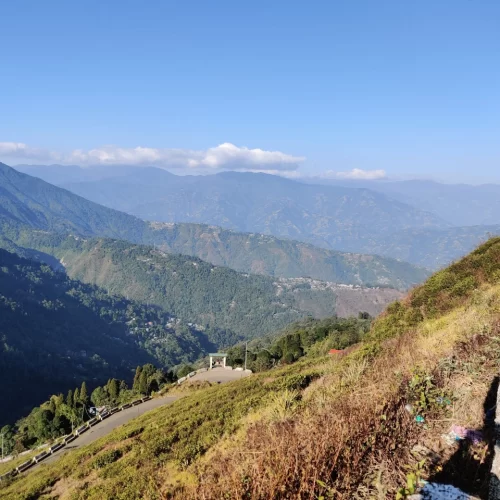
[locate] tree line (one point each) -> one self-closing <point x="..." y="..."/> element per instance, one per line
<point x="306" y="337"/>
<point x="61" y="414"/>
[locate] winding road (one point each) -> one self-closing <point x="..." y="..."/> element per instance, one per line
<point x="106" y="426"/>
<point x="122" y="417"/>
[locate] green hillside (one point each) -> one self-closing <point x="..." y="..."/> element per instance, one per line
<point x="30" y="202"/>
<point x="264" y="254"/>
<point x="368" y="424"/>
<point x="56" y="332"/>
<point x="232" y="306"/>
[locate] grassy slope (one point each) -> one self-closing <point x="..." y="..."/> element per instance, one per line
<point x="336" y="427"/>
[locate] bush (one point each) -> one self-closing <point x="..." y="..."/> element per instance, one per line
<point x="106" y="458"/>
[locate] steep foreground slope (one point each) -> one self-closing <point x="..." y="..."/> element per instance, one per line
<point x="28" y="202"/>
<point x="369" y="424"/>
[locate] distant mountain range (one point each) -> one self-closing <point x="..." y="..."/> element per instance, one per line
<point x="30" y="202"/>
<point x="425" y="223"/>
<point x="458" y="204"/>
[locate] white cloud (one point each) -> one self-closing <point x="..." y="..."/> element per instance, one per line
<point x="225" y="156"/>
<point x="357" y="174"/>
<point x="21" y="150"/>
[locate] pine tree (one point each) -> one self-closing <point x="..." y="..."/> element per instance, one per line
<point x="76" y="397"/>
<point x="123" y="386"/>
<point x="113" y="389"/>
<point x="84" y="398"/>
<point x="137" y="376"/>
<point x="143" y="383"/>
<point x="69" y="399"/>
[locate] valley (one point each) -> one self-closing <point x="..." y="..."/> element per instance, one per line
<point x="89" y="294"/>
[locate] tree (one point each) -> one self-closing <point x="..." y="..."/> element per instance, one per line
<point x="84" y="398"/>
<point x="184" y="370"/>
<point x="113" y="389"/>
<point x="70" y="413"/>
<point x="69" y="398"/>
<point x="76" y="397"/>
<point x="143" y="383"/>
<point x="123" y="386"/>
<point x="263" y="361"/>
<point x="99" y="396"/>
<point x="137" y="376"/>
<point x="8" y="433"/>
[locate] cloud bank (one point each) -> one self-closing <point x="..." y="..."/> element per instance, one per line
<point x="356" y="174"/>
<point x="225" y="156"/>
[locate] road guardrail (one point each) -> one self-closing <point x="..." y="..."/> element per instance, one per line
<point x="70" y="437"/>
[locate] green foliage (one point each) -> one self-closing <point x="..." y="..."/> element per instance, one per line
<point x="84" y="398"/>
<point x="227" y="305"/>
<point x="178" y="433"/>
<point x="113" y="389"/>
<point x="309" y="337"/>
<point x="413" y="481"/>
<point x="284" y="404"/>
<point x="100" y="396"/>
<point x="7" y="433"/>
<point x="442" y="292"/>
<point x="59" y="415"/>
<point x="424" y="394"/>
<point x="184" y="370"/>
<point x="106" y="458"/>
<point x="34" y="203"/>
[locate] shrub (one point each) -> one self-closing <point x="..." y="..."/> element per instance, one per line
<point x="106" y="458"/>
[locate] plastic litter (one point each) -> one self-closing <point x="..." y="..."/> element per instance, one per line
<point x="458" y="433"/>
<point x="437" y="491"/>
<point x="419" y="419"/>
<point x="409" y="408"/>
<point x="470" y="434"/>
<point x="443" y="401"/>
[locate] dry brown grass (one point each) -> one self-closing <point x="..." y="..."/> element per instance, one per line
<point x="358" y="436"/>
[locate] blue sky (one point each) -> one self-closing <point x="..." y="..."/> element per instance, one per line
<point x="408" y="88"/>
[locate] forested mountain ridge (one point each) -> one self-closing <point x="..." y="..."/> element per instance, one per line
<point x="351" y="216"/>
<point x="40" y="205"/>
<point x="265" y="254"/>
<point x="434" y="248"/>
<point x="231" y="305"/>
<point x="31" y="202"/>
<point x="458" y="204"/>
<point x="59" y="332"/>
<point x="327" y="216"/>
